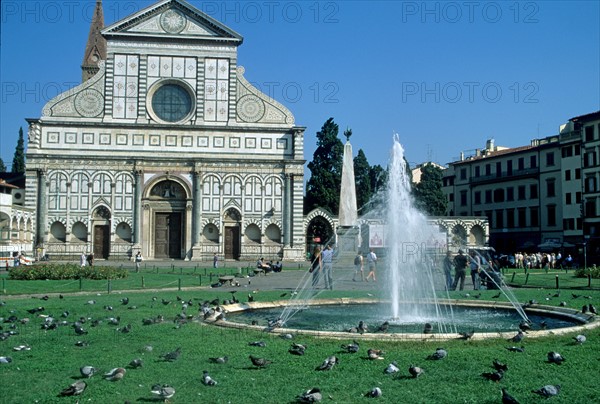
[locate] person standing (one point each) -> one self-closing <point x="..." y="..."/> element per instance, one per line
<point x="460" y="265"/>
<point x="475" y="265"/>
<point x="138" y="261"/>
<point x="448" y="269"/>
<point x="358" y="267"/>
<point x="90" y="259"/>
<point x="372" y="262"/>
<point x="215" y="261"/>
<point x="327" y="261"/>
<point x="315" y="266"/>
<point x="82" y="259"/>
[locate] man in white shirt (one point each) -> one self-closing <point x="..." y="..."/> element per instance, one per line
<point x="372" y="262"/>
<point x="327" y="261"/>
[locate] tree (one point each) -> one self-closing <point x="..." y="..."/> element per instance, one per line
<point x="362" y="180"/>
<point x="18" y="163"/>
<point x="2" y="166"/>
<point x="323" y="187"/>
<point x="428" y="192"/>
<point x="379" y="177"/>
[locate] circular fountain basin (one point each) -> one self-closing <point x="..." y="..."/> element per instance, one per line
<point x="333" y="317"/>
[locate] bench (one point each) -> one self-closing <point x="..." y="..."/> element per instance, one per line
<point x="227" y="279"/>
<point x="257" y="271"/>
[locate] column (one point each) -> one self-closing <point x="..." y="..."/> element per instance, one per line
<point x="287" y="211"/>
<point x="137" y="208"/>
<point x="196" y="210"/>
<point x="42" y="237"/>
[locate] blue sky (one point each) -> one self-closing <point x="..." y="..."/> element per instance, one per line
<point x="446" y="76"/>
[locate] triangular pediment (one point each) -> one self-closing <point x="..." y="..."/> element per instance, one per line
<point x="172" y="18"/>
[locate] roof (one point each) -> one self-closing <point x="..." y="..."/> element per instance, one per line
<point x="495" y="153"/>
<point x="592" y="116"/>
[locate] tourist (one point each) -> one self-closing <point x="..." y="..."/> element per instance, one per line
<point x="315" y="266"/>
<point x="372" y="262"/>
<point x="475" y="264"/>
<point x="460" y="267"/>
<point x="358" y="267"/>
<point x="90" y="259"/>
<point x="215" y="261"/>
<point x="448" y="269"/>
<point x="82" y="259"/>
<point x="138" y="260"/>
<point x="278" y="267"/>
<point x="261" y="264"/>
<point x="327" y="262"/>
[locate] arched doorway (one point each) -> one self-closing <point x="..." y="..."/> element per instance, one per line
<point x="318" y="231"/>
<point x="167" y="202"/>
<point x="101" y="235"/>
<point x="232" y="224"/>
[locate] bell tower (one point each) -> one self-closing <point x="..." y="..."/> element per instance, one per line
<point x="95" y="49"/>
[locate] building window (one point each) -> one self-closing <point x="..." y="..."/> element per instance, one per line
<point x="171" y="103"/>
<point x="550" y="158"/>
<point x="568" y="198"/>
<point x="568" y="224"/>
<point x="477" y="213"/>
<point x="590" y="159"/>
<point x="463" y="173"/>
<point x="590" y="184"/>
<point x="532" y="162"/>
<point x="510" y="194"/>
<point x="499" y="169"/>
<point x="488" y="169"/>
<point x="509" y="167"/>
<point x="499" y="219"/>
<point x="463" y="198"/>
<point x="534" y="216"/>
<point x="477" y="198"/>
<point x="589" y="133"/>
<point x="550" y="188"/>
<point x="533" y="191"/>
<point x="510" y="218"/>
<point x="567" y="175"/>
<point x="579" y="223"/>
<point x="578" y="197"/>
<point x="499" y="195"/>
<point x="551" y="215"/>
<point x="488" y="196"/>
<point x="577" y="150"/>
<point x="521" y="163"/>
<point x="477" y="171"/>
<point x="578" y="173"/>
<point x="216" y="93"/>
<point x="521" y="192"/>
<point x="590" y="207"/>
<point x="451" y="197"/>
<point x="567" y="151"/>
<point x="522" y="212"/>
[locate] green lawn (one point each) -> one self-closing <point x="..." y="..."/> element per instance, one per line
<point x="53" y="362"/>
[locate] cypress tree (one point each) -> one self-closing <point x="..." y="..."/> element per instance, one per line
<point x="18" y="163"/>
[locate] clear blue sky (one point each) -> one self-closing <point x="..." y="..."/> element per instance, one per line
<point x="445" y="75"/>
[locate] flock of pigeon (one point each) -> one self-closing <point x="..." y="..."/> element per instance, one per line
<point x="213" y="311"/>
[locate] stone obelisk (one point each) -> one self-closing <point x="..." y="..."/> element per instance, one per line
<point x="347" y="232"/>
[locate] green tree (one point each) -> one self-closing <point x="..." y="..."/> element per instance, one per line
<point x="18" y="163"/>
<point x="428" y="192"/>
<point x="323" y="187"/>
<point x="2" y="166"/>
<point x="362" y="180"/>
<point x="379" y="177"/>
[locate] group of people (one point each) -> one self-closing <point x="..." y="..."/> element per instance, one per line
<point x="86" y="259"/>
<point x="270" y="266"/>
<point x="542" y="260"/>
<point x="460" y="263"/>
<point x="321" y="263"/>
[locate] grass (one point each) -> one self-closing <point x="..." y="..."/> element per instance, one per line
<point x="53" y="362"/>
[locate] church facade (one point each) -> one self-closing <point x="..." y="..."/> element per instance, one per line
<point x="166" y="148"/>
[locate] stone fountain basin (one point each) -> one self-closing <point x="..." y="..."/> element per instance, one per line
<point x="585" y="321"/>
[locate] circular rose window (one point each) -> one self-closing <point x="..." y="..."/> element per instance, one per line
<point x="171" y="102"/>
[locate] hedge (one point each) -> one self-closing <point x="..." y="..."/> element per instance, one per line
<point x="65" y="271"/>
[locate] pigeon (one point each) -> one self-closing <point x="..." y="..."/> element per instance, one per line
<point x="35" y="310"/>
<point x="467" y="335"/>
<point x="518" y="337"/>
<point x="375" y="354"/>
<point x="220" y="360"/>
<point x="82" y="343"/>
<point x="362" y="327"/>
<point x="79" y="330"/>
<point x="580" y="339"/>
<point x="286" y="336"/>
<point x="563" y="304"/>
<point x="172" y="356"/>
<point x="548" y="390"/>
<point x="592" y="309"/>
<point x="575" y="296"/>
<point x="259" y="362"/>
<point x="91" y="302"/>
<point x="415" y="371"/>
<point x="440" y="353"/>
<point x="524" y="326"/>
<point x="310" y="396"/>
<point x="125" y="329"/>
<point x="115" y="374"/>
<point x="114" y="320"/>
<point x="351" y="348"/>
<point x="125" y="301"/>
<point x="507" y="398"/>
<point x="384" y="327"/>
<point x="555" y="357"/>
<point x="5" y="359"/>
<point x="328" y="363"/>
<point x="297" y="349"/>
<point x="22" y="348"/>
<point x="207" y="380"/>
<point x="427" y="328"/>
<point x="163" y="392"/>
<point x="391" y="368"/>
<point x="87" y="371"/>
<point x="584" y="309"/>
<point x="136" y="363"/>
<point x="495" y="376"/>
<point x="497" y="295"/>
<point x="516" y="348"/>
<point x="261" y="344"/>
<point x="74" y="389"/>
<point x="499" y="365"/>
<point x="374" y="393"/>
<point x="165" y="302"/>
